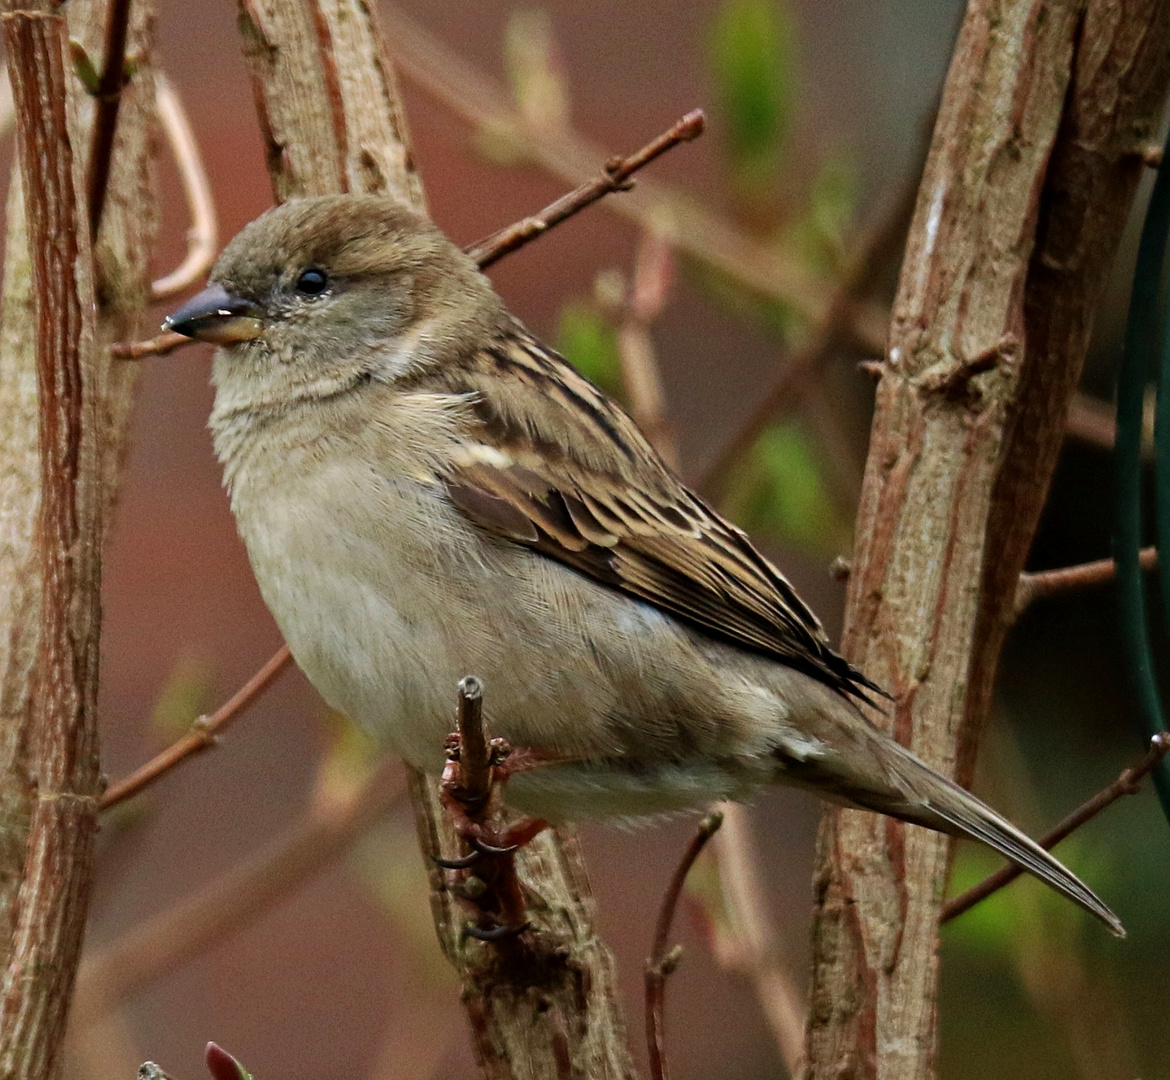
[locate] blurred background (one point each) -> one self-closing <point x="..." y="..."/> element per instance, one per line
<point x="817" y="117"/>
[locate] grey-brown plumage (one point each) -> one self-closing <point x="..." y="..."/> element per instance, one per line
<point x="426" y="491"/>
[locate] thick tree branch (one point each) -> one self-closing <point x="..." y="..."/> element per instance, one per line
<point x="332" y="121"/>
<point x="1022" y="204"/>
<point x="63" y="756"/>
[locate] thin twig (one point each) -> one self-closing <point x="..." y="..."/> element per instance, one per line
<point x="166" y="342"/>
<point x="233" y="901"/>
<point x="662" y="962"/>
<point x="1042" y="584"/>
<point x="109" y="99"/>
<point x="61" y="735"/>
<point x="1128" y="783"/>
<point x="202" y="236"/>
<point x="614" y="176"/>
<point x="202" y="735"/>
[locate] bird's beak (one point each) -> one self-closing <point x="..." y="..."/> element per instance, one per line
<point x="215" y="315"/>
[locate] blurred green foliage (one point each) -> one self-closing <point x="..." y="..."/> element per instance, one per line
<point x="588" y="340"/>
<point x="752" y="65"/>
<point x="185" y="696"/>
<point x="817" y="237"/>
<point x="779" y="491"/>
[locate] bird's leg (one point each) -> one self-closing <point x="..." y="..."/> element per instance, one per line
<point x="485" y="876"/>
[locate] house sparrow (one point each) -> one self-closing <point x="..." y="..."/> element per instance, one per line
<point x="426" y="492"/>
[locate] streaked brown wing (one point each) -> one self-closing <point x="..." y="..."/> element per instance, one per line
<point x="610" y="508"/>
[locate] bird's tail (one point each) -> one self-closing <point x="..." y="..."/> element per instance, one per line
<point x="923" y="797"/>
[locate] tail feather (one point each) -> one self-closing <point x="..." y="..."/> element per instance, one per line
<point x="942" y="804"/>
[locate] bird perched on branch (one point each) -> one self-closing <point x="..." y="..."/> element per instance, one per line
<point x="426" y="491"/>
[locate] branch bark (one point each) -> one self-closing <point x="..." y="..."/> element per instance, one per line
<point x="1029" y="180"/>
<point x="332" y="121"/>
<point x="63" y="747"/>
<point x="129" y="222"/>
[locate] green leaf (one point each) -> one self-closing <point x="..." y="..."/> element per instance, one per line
<point x="752" y="63"/>
<point x="589" y="342"/>
<point x="779" y="490"/>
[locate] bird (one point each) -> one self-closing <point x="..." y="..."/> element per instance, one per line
<point x="425" y="491"/>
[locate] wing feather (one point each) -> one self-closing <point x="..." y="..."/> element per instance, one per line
<point x="553" y="464"/>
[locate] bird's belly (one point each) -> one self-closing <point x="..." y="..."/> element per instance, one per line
<point x="385" y="613"/>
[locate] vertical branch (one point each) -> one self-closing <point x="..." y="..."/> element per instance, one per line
<point x="122" y="285"/>
<point x="1026" y="190"/>
<point x="331" y="118"/>
<point x="63" y="755"/>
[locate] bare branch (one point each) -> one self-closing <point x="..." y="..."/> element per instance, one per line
<point x="1041" y="584"/>
<point x="109" y="100"/>
<point x="1128" y="783"/>
<point x="63" y="747"/>
<point x="203" y="734"/>
<point x="202" y="236"/>
<point x="475" y="758"/>
<point x="614" y="176"/>
<point x="662" y="962"/>
<point x="166" y="342"/>
<point x="233" y="901"/>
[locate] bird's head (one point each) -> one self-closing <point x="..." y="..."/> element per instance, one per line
<point x="322" y="293"/>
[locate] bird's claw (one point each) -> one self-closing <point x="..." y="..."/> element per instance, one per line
<point x="464" y="862"/>
<point x="499" y="932"/>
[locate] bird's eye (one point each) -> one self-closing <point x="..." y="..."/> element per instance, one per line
<point x="312" y="282"/>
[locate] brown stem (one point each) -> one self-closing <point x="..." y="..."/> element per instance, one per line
<point x="662" y="962"/>
<point x="202" y="736"/>
<point x="234" y="900"/>
<point x="164" y="343"/>
<point x="109" y="100"/>
<point x="1127" y="783"/>
<point x="614" y="176"/>
<point x="1041" y="584"/>
<point x="63" y="747"/>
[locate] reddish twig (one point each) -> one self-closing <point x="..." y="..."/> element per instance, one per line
<point x="202" y="235"/>
<point x="166" y="342"/>
<point x="475" y="757"/>
<point x="109" y="99"/>
<point x="662" y="962"/>
<point x="1128" y="783"/>
<point x="1044" y="583"/>
<point x="202" y="735"/>
<point x="615" y="176"/>
<point x="62" y="733"/>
